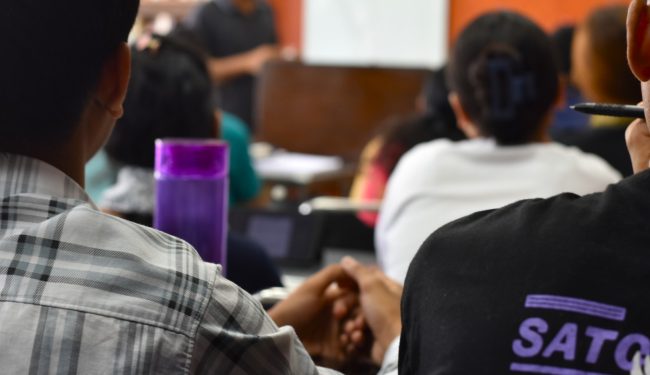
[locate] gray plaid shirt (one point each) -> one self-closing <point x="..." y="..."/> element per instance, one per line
<point x="84" y="292"/>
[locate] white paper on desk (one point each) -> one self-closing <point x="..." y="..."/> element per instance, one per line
<point x="296" y="167"/>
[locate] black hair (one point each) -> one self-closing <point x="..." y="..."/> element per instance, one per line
<point x="53" y="54"/>
<point x="504" y="71"/>
<point x="436" y="94"/>
<point x="169" y="97"/>
<point x="402" y="133"/>
<point x="563" y="43"/>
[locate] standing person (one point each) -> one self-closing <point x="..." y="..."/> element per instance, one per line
<point x="504" y="86"/>
<point x="551" y="286"/>
<point x="240" y="36"/>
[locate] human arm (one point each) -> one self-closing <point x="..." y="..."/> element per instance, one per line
<point x="380" y="299"/>
<point x="316" y="311"/>
<point x="222" y="69"/>
<point x="228" y="63"/>
<point x="236" y="335"/>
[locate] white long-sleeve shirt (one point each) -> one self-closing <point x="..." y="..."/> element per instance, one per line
<point x="441" y="181"/>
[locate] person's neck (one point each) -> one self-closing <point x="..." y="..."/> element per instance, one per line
<point x="543" y="134"/>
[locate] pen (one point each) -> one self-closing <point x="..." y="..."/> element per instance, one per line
<point x="613" y="110"/>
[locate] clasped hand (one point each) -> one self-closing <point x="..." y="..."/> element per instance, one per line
<point x="346" y="313"/>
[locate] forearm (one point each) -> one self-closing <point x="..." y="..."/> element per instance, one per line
<point x="225" y="68"/>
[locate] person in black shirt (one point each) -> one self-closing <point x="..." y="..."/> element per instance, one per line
<point x="554" y="286"/>
<point x="240" y="36"/>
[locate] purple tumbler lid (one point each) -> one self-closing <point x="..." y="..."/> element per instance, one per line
<point x="198" y="158"/>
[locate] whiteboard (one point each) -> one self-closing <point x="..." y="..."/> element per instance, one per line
<point x="401" y="33"/>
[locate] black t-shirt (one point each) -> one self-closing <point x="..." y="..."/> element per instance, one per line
<point x="225" y="31"/>
<point x="555" y="286"/>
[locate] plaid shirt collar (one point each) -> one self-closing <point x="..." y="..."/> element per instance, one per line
<point x="24" y="175"/>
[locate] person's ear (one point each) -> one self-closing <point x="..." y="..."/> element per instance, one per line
<point x="462" y="119"/>
<point x="114" y="82"/>
<point x="638" y="39"/>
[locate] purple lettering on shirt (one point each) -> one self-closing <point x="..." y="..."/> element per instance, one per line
<point x="530" y="330"/>
<point x="628" y="346"/>
<point x="576" y="305"/>
<point x="598" y="338"/>
<point x="540" y="369"/>
<point x="564" y="342"/>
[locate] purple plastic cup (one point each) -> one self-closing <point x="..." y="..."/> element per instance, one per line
<point x="192" y="194"/>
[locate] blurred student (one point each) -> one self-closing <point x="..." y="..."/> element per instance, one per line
<point x="504" y="86"/>
<point x="240" y="37"/>
<point x="169" y="97"/>
<point x="400" y="134"/>
<point x="601" y="73"/>
<point x="244" y="184"/>
<point x="553" y="286"/>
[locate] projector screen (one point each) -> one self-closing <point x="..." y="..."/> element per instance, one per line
<point x="398" y="33"/>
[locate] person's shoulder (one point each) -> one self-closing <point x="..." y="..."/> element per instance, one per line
<point x="148" y="246"/>
<point x="233" y="129"/>
<point x="419" y="168"/>
<point x="202" y="13"/>
<point x="583" y="162"/>
<point x="506" y="227"/>
<point x="427" y="152"/>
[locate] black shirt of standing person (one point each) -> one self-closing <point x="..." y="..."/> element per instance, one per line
<point x="226" y="31"/>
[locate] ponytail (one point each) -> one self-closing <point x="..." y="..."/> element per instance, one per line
<point x="504" y="73"/>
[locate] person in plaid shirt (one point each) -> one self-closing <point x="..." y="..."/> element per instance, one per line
<point x="85" y="292"/>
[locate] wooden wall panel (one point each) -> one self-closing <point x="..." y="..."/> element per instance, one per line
<point x="330" y="110"/>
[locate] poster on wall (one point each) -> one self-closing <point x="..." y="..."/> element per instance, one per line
<point x="397" y="33"/>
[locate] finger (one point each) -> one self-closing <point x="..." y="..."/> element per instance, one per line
<point x="360" y="322"/>
<point x="319" y="282"/>
<point x="344" y="305"/>
<point x="357" y="337"/>
<point x="637" y="138"/>
<point x="635" y="131"/>
<point x="354" y="269"/>
<point x="349" y="327"/>
<point x="344" y="339"/>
